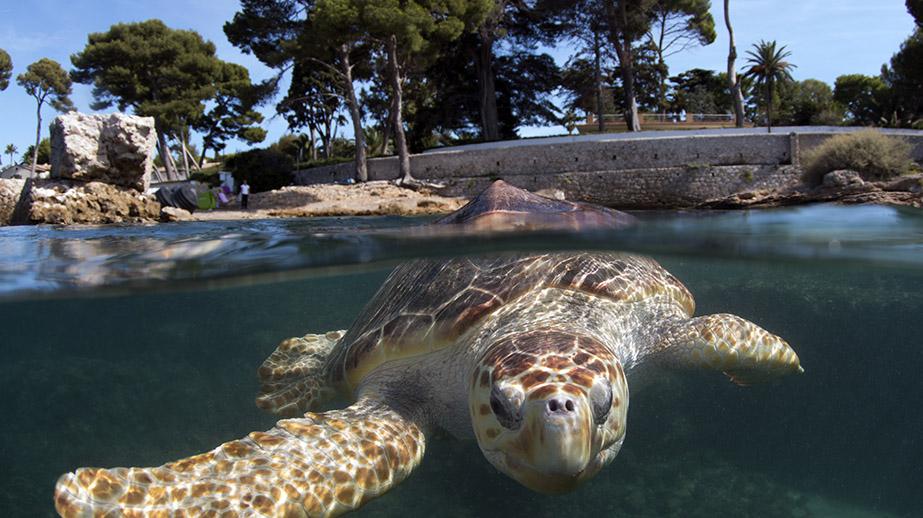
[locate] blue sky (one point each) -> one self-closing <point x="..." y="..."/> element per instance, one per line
<point x="826" y="38"/>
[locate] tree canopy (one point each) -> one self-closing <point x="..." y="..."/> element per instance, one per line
<point x="233" y="113"/>
<point x="160" y="72"/>
<point x="320" y="41"/>
<point x="806" y="103"/>
<point x="904" y="77"/>
<point x="155" y="70"/>
<point x="46" y="81"/>
<point x="700" y="91"/>
<point x="862" y="96"/>
<point x="677" y="25"/>
<point x="915" y="8"/>
<point x="6" y="70"/>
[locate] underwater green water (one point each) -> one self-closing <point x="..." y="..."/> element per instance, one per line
<point x="140" y="377"/>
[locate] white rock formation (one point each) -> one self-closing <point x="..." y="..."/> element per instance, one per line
<point x="116" y="149"/>
<point x="10" y="192"/>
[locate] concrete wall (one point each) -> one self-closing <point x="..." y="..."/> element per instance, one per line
<point x="649" y="172"/>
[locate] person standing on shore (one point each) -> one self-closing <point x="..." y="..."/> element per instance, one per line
<point x="244" y="194"/>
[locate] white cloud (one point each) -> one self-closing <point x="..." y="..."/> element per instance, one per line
<point x="15" y="42"/>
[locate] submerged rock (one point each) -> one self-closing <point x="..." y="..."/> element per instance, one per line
<point x="116" y="148"/>
<point x="63" y="203"/>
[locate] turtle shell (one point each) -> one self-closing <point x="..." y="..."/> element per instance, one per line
<point x="427" y="305"/>
<point x="505" y="207"/>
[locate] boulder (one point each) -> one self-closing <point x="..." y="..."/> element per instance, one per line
<point x="174" y="214"/>
<point x="909" y="183"/>
<point x="10" y="193"/>
<point x="64" y="202"/>
<point x="842" y="178"/>
<point x="116" y="149"/>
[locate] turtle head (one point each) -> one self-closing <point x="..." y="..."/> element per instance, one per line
<point x="549" y="408"/>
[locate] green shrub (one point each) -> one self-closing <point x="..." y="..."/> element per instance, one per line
<point x="873" y="155"/>
<point x="264" y="169"/>
<point x="208" y="176"/>
<point x="320" y="162"/>
<point x="44" y="152"/>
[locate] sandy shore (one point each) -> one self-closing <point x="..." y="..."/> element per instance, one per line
<point x="372" y="198"/>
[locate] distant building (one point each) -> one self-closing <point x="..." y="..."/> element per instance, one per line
<point x="24" y="172"/>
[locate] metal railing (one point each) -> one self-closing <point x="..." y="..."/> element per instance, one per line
<point x="669" y="117"/>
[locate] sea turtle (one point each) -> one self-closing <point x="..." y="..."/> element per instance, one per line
<point x="531" y="354"/>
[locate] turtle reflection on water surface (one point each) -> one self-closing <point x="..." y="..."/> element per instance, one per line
<point x="531" y="354"/>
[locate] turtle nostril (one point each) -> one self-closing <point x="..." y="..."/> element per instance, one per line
<point x="562" y="406"/>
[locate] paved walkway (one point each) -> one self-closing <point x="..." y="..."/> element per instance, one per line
<point x="605" y="137"/>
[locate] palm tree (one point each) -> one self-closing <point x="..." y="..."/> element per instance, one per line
<point x="767" y="66"/>
<point x="11" y="150"/>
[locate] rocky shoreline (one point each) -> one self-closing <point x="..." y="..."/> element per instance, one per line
<point x="845" y="187"/>
<point x="65" y="202"/>
<point x="102" y="166"/>
<point x="377" y="198"/>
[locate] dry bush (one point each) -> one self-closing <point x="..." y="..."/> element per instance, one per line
<point x="872" y="154"/>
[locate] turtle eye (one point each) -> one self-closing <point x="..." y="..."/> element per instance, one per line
<point x="601" y="401"/>
<point x="505" y="410"/>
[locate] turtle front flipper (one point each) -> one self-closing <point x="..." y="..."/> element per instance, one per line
<point x="320" y="465"/>
<point x="742" y="350"/>
<point x="294" y="379"/>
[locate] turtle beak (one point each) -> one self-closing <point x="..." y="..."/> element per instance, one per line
<point x="557" y="443"/>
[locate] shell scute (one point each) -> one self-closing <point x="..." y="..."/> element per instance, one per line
<point x="427" y="305"/>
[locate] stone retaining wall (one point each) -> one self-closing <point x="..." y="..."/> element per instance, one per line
<point x="649" y="172"/>
<point x="664" y="188"/>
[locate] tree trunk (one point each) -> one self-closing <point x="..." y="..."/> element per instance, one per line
<point x="202" y="155"/>
<point x="38" y="135"/>
<point x="400" y="140"/>
<point x="182" y="146"/>
<point x="661" y="67"/>
<point x="598" y="78"/>
<point x="325" y="138"/>
<point x="769" y="105"/>
<point x="313" y="143"/>
<point x="166" y="157"/>
<point x="362" y="169"/>
<point x="193" y="163"/>
<point x="490" y="125"/>
<point x="662" y="88"/>
<point x="385" y="134"/>
<point x="628" y="85"/>
<point x="624" y="53"/>
<point x="737" y="96"/>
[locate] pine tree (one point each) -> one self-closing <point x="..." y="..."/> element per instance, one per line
<point x="46" y="81"/>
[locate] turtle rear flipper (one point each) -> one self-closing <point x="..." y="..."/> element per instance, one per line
<point x="740" y="349"/>
<point x="320" y="465"/>
<point x="294" y="378"/>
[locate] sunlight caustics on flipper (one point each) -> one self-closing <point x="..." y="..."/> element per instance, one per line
<point x="742" y="350"/>
<point x="293" y="380"/>
<point x="320" y="465"/>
